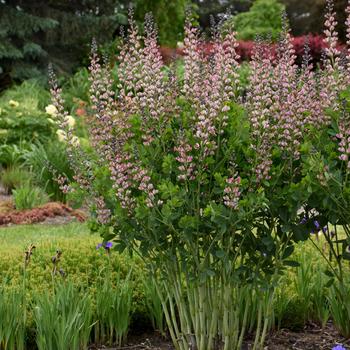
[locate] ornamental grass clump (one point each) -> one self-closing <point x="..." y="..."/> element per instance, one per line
<point x="12" y="319"/>
<point x="205" y="185"/>
<point x="113" y="311"/>
<point x="63" y="320"/>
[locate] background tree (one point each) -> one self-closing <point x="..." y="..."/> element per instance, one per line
<point x="263" y="18"/>
<point x="217" y="8"/>
<point x="20" y="53"/>
<point x="307" y="16"/>
<point x="168" y="15"/>
<point x="34" y="32"/>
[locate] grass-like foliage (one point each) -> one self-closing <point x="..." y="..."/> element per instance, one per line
<point x="12" y="320"/>
<point x="28" y="196"/>
<point x="14" y="177"/>
<point x="113" y="311"/>
<point x="63" y="320"/>
<point x="154" y="306"/>
<point x="46" y="162"/>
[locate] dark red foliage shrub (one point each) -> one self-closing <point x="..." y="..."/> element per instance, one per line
<point x="316" y="44"/>
<point x="245" y="49"/>
<point x="39" y="214"/>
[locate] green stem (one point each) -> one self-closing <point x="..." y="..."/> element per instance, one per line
<point x="244" y="323"/>
<point x="267" y="320"/>
<point x="258" y="327"/>
<point x="202" y="318"/>
<point x="173" y="334"/>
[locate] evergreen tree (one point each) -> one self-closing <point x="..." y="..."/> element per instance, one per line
<point x="20" y="54"/>
<point x="34" y="32"/>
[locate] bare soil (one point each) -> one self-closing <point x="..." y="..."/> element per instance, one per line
<point x="312" y="337"/>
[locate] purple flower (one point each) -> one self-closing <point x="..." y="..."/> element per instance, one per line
<point x="324" y="229"/>
<point x="105" y="245"/>
<point x="317" y="224"/>
<point x="339" y="347"/>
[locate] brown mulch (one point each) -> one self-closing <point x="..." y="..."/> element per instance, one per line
<point x="312" y="337"/>
<point x="51" y="213"/>
<point x="147" y="341"/>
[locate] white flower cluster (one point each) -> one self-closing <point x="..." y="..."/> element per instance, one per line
<point x="51" y="110"/>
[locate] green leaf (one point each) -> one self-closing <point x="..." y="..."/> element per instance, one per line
<point x="329" y="283"/>
<point x="220" y="253"/>
<point x="288" y="252"/>
<point x="291" y="263"/>
<point x="329" y="273"/>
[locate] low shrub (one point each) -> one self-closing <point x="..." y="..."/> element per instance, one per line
<point x="82" y="263"/>
<point x="245" y="49"/>
<point x="22" y="116"/>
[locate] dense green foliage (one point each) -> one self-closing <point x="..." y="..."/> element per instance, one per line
<point x="28" y="136"/>
<point x="263" y="18"/>
<point x="28" y="196"/>
<point x="83" y="264"/>
<point x="20" y="54"/>
<point x="32" y="33"/>
<point x="22" y="114"/>
<point x="169" y="16"/>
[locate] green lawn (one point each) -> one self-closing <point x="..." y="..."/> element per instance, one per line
<point x="16" y="238"/>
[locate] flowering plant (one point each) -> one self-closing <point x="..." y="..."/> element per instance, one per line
<point x="206" y="186"/>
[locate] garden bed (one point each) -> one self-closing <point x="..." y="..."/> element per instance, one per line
<point x="312" y="337"/>
<point x="50" y="213"/>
